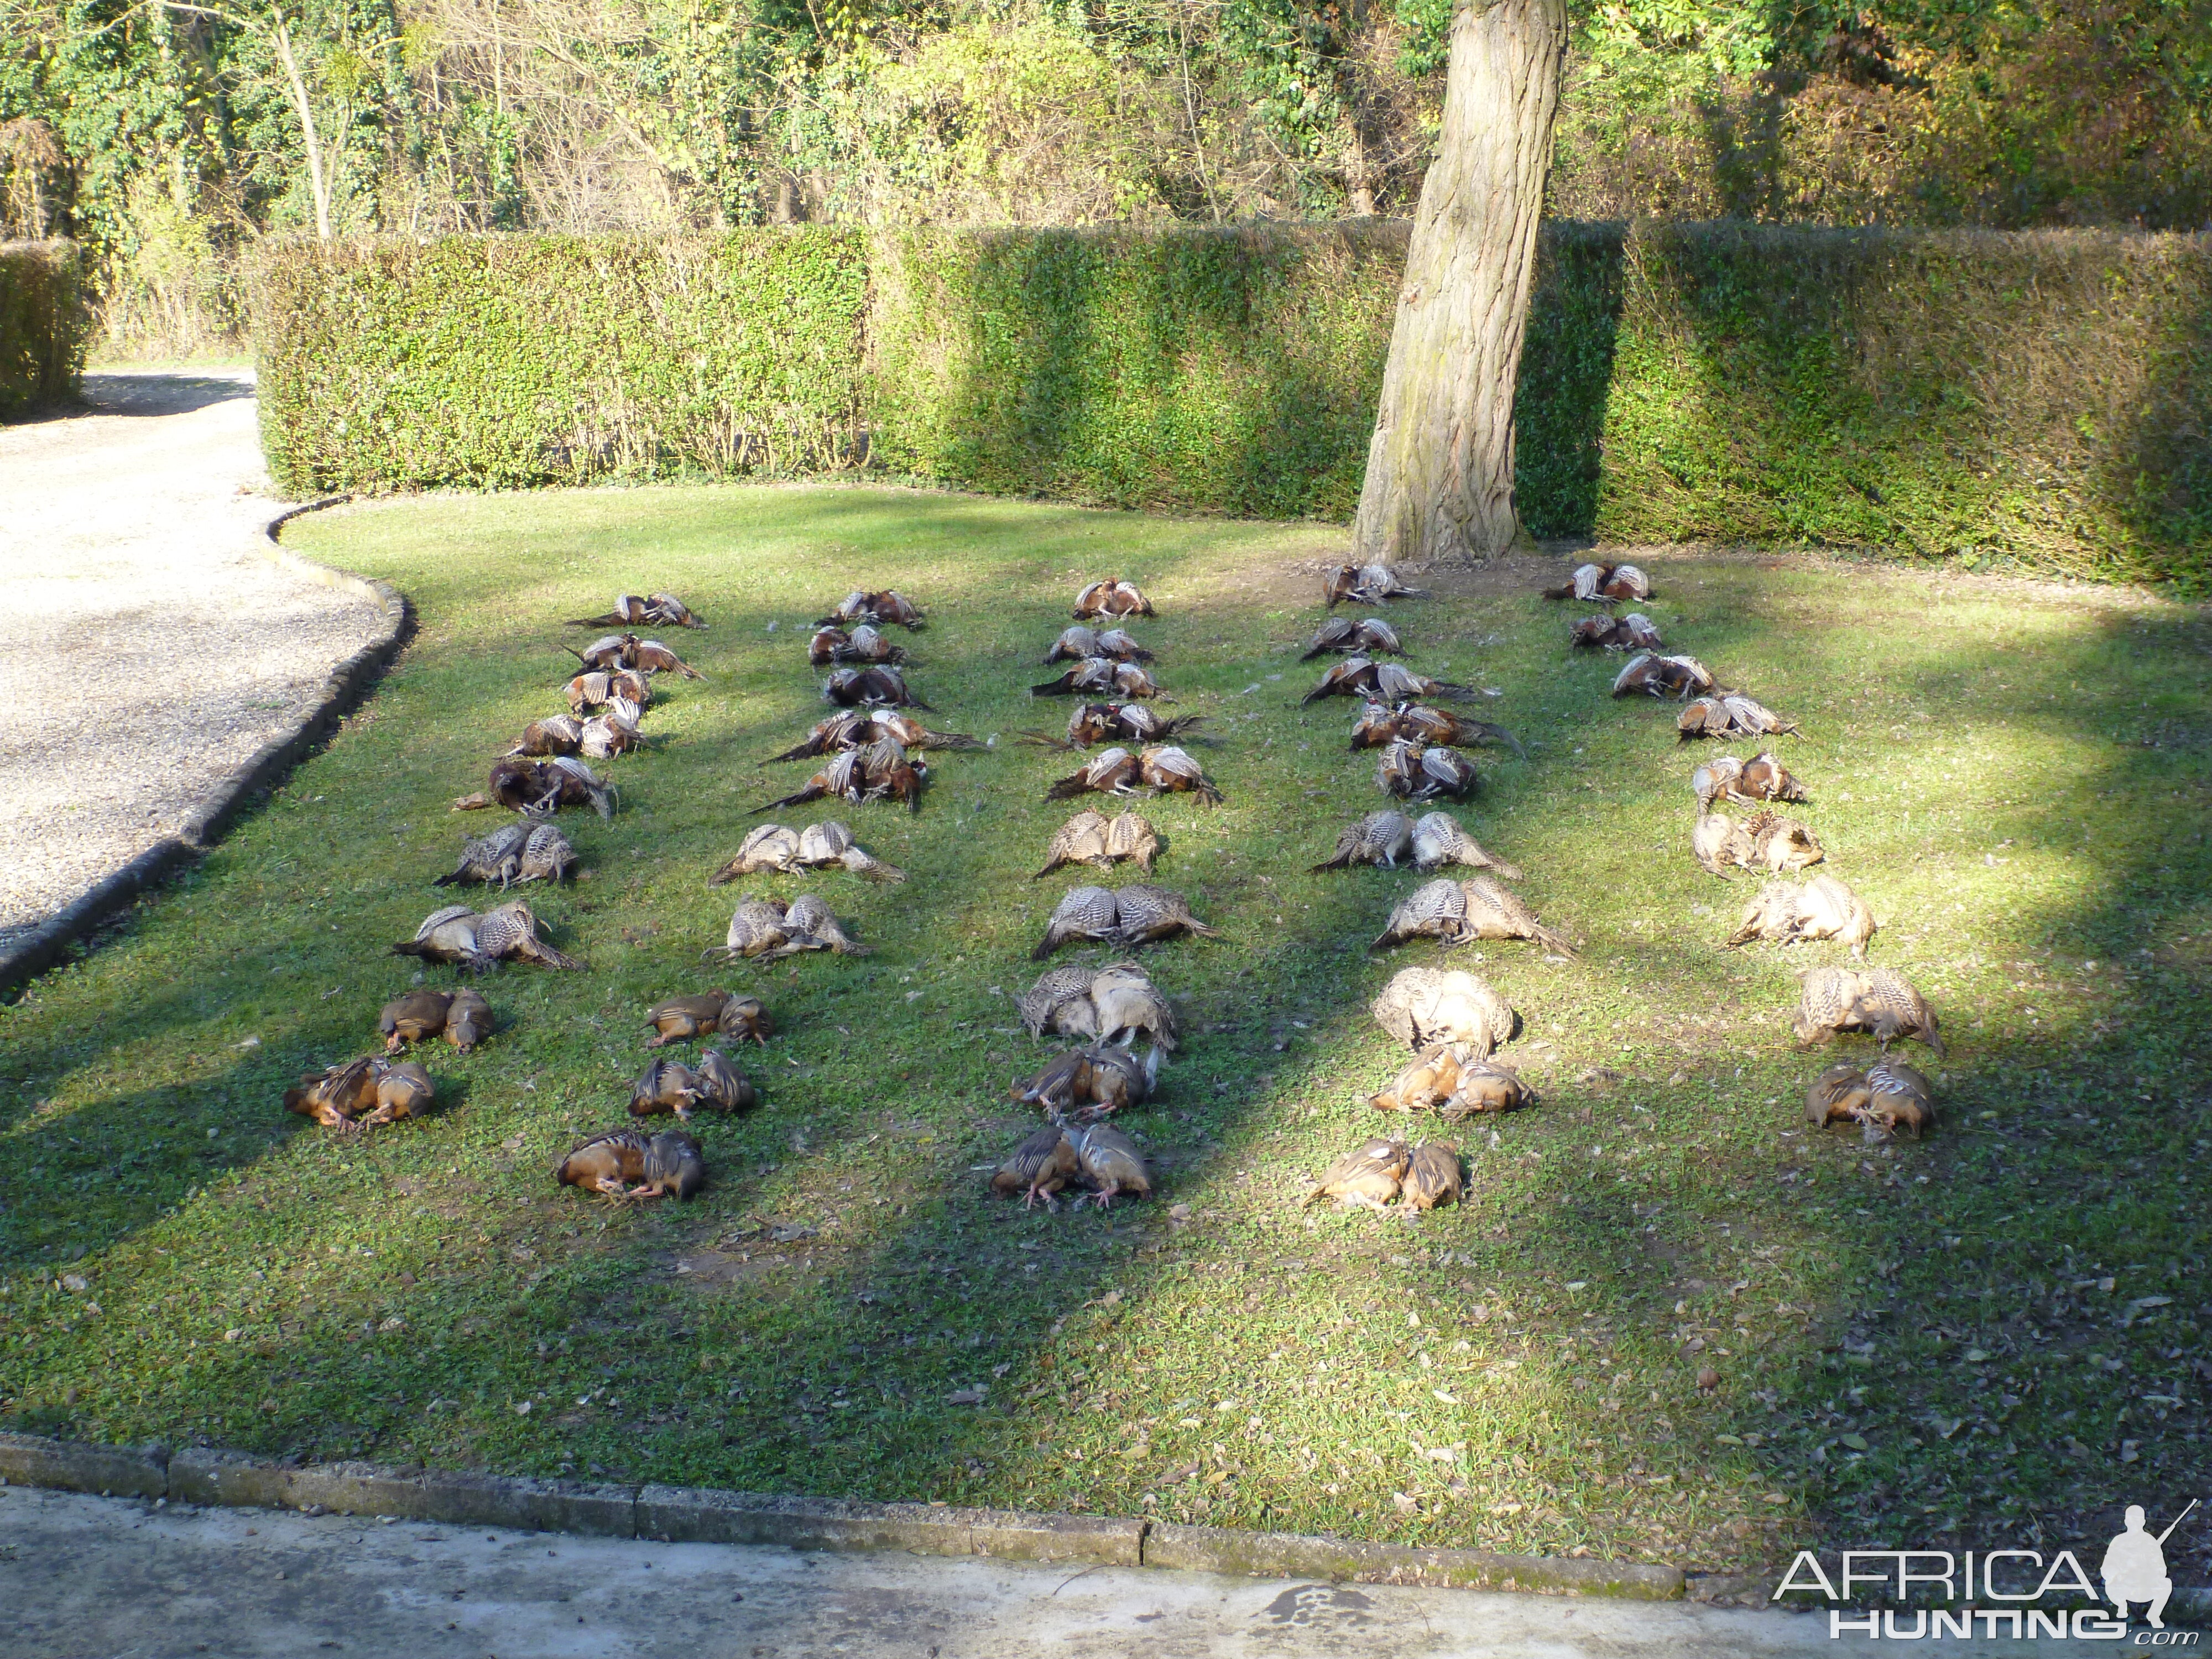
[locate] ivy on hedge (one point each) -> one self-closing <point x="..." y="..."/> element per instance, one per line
<point x="43" y="326"/>
<point x="2035" y="397"/>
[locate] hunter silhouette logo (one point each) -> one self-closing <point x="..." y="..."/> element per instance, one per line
<point x="2135" y="1567"/>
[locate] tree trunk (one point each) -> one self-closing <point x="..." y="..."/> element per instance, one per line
<point x="318" y="182"/>
<point x="1440" y="467"/>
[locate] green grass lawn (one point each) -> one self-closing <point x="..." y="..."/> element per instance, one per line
<point x="1996" y="1333"/>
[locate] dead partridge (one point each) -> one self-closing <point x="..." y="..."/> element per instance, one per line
<point x="415" y="1018"/>
<point x="1089" y="1082"/>
<point x="1040" y="1166"/>
<point x="605" y="1163"/>
<point x="1381" y="838"/>
<point x="1112" y="598"/>
<point x="1090" y="913"/>
<point x="1438" y="840"/>
<point x="1366" y="584"/>
<point x="1125" y="1003"/>
<point x="664" y="1086"/>
<point x="1903" y="1101"/>
<point x="402" y="1090"/>
<point x="1877" y="999"/>
<point x="1592" y="583"/>
<point x="1424" y="1005"/>
<point x="1838" y="1095"/>
<point x="705" y="1015"/>
<point x="1369" y="637"/>
<point x="1366" y="1178"/>
<point x="674" y="1167"/>
<point x="1432" y="1179"/>
<point x="722" y="1086"/>
<point x="1109" y="1163"/>
<point x="340" y="1098"/>
<point x="1428" y="1081"/>
<point x="468" y="1021"/>
<point x="811" y="927"/>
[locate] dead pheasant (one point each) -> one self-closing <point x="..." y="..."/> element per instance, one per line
<point x="884" y="609"/>
<point x="1379" y="724"/>
<point x="1366" y="584"/>
<point x="860" y="728"/>
<point x="1112" y="772"/>
<point x="658" y="611"/>
<point x="1081" y="644"/>
<point x="1720" y="843"/>
<point x="705" y="1015"/>
<point x="1592" y="583"/>
<point x="811" y="927"/>
<point x="1887" y="1099"/>
<point x="1662" y="676"/>
<point x="1424" y="1005"/>
<point x="496" y="858"/>
<point x="628" y="651"/>
<point x="756" y="929"/>
<point x="883" y="771"/>
<point x="1100" y="676"/>
<point x="1824" y="907"/>
<point x="589" y="691"/>
<point x="1371" y="635"/>
<point x="1366" y="1178"/>
<point x="1438" y="840"/>
<point x="1729" y="714"/>
<point x="1136" y="914"/>
<point x="1060" y="1002"/>
<point x="1878" y="999"/>
<point x="1461" y="912"/>
<point x="1778" y="843"/>
<point x="1381" y="838"/>
<point x="1380" y="682"/>
<point x="558" y="734"/>
<point x="1040" y="1166"/>
<point x="1168" y="770"/>
<point x="1112" y="598"/>
<point x="862" y="644"/>
<point x="613" y="733"/>
<point x="1113" y="1004"/>
<point x="540" y="788"/>
<point x="1633" y="632"/>
<point x="546" y="856"/>
<point x="880" y="686"/>
<point x="1094" y="723"/>
<point x="1432" y="1180"/>
<point x="1726" y="778"/>
<point x="1413" y="773"/>
<point x="459" y="935"/>
<point x="773" y="847"/>
<point x="1091" y="837"/>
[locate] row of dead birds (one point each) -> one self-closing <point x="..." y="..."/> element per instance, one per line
<point x="1889" y="1098"/>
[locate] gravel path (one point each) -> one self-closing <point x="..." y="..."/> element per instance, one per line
<point x="84" y="1577"/>
<point x="146" y="650"/>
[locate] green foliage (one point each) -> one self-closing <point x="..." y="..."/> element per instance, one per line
<point x="500" y="362"/>
<point x="42" y="325"/>
<point x="1971" y="396"/>
<point x="1229" y="371"/>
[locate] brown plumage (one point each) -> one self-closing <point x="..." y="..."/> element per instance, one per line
<point x="1100" y="676"/>
<point x="879" y="686"/>
<point x="704" y="1015"/>
<point x="1824" y="907"/>
<point x="605" y="654"/>
<point x="546" y="856"/>
<point x="1060" y="1002"/>
<point x="1130" y="836"/>
<point x="1662" y="676"/>
<point x="459" y="935"/>
<point x="1112" y="598"/>
<point x="1040" y="1166"/>
<point x="468" y="1019"/>
<point x="1380" y="725"/>
<point x="1728" y="715"/>
<point x="1410" y="772"/>
<point x="605" y="1163"/>
<point x="1455" y="1080"/>
<point x="340" y="1096"/>
<point x="860" y="644"/>
<point x="538" y="788"/>
<point x="556" y="734"/>
<point x="861" y="728"/>
<point x="881" y="771"/>
<point x="1438" y="840"/>
<point x="674" y="1167"/>
<point x="1081" y="840"/>
<point x="1459" y="913"/>
<point x="1381" y="838"/>
<point x="773" y="846"/>
<point x="1109" y="1163"/>
<point x="1090" y="913"/>
<point x="1088" y="1083"/>
<point x="1878" y="999"/>
<point x="415" y="1018"/>
<point x="812" y="926"/>
<point x="402" y="1090"/>
<point x="1168" y="770"/>
<point x="656" y="610"/>
<point x="756" y="929"/>
<point x="1371" y="635"/>
<point x="722" y="1086"/>
<point x="664" y="1086"/>
<point x="1424" y="1005"/>
<point x="1125" y="1004"/>
<point x="1887" y="1099"/>
<point x="1081" y="644"/>
<point x="1720" y="843"/>
<point x="1838" y="1095"/>
<point x="596" y="689"/>
<point x="1366" y="1178"/>
<point x="1136" y="914"/>
<point x="1110" y="772"/>
<point x="887" y="609"/>
<point x="1592" y="583"/>
<point x="1366" y="584"/>
<point x="1382" y="682"/>
<point x="654" y="658"/>
<point x="1634" y="632"/>
<point x="1432" y="1180"/>
<point x="611" y="732"/>
<point x="1778" y="843"/>
<point x="494" y="858"/>
<point x="1094" y="723"/>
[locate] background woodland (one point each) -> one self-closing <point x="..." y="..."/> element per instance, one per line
<point x="169" y="137"/>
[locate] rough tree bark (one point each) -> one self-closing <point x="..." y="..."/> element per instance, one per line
<point x="1440" y="467"/>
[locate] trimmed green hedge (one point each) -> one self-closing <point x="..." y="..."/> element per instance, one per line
<point x="504" y="361"/>
<point x="43" y="327"/>
<point x="2039" y="397"/>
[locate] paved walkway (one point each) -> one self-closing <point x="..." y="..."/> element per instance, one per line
<point x="145" y="652"/>
<point x="112" y="1578"/>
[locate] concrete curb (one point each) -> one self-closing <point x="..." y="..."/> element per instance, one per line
<point x="686" y="1514"/>
<point x="35" y="950"/>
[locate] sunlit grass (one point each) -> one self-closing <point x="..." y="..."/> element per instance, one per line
<point x="2016" y="779"/>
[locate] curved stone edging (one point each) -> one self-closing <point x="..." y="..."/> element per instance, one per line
<point x="33" y="952"/>
<point x="683" y="1514"/>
